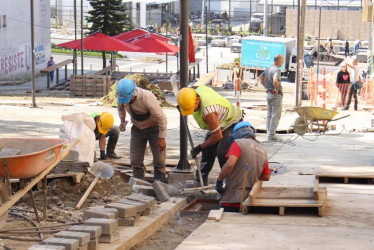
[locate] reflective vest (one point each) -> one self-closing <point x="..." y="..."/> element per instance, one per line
<point x="209" y="97"/>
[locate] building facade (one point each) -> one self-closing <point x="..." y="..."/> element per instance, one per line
<point x="15" y="33"/>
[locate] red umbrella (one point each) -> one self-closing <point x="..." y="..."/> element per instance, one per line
<point x="191" y="49"/>
<point x="152" y="45"/>
<point x="128" y="35"/>
<point x="100" y="42"/>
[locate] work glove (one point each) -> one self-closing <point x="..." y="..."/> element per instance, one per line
<point x="103" y="155"/>
<point x="219" y="187"/>
<point x="195" y="151"/>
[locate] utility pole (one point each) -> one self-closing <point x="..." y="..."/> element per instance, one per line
<point x="75" y="70"/>
<point x="82" y="69"/>
<point x="33" y="104"/>
<point x="206" y="37"/>
<point x="265" y="23"/>
<point x="229" y="17"/>
<point x="250" y="15"/>
<point x="202" y="13"/>
<point x="183" y="164"/>
<point x="319" y="48"/>
<point x="167" y="26"/>
<point x="300" y="51"/>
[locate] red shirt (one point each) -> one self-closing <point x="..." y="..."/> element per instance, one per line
<point x="235" y="150"/>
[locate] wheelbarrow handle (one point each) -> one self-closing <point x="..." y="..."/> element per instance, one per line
<point x="340" y="118"/>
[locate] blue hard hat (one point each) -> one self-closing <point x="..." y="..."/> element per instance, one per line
<point x="125" y="90"/>
<point x="243" y="130"/>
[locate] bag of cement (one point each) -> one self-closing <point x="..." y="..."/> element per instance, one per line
<point x="82" y="126"/>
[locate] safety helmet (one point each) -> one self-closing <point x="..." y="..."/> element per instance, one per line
<point x="243" y="130"/>
<point x="105" y="122"/>
<point x="125" y="90"/>
<point x="186" y="100"/>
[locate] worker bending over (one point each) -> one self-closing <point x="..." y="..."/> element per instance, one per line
<point x="105" y="128"/>
<point x="245" y="153"/>
<point x="149" y="124"/>
<point x="214" y="113"/>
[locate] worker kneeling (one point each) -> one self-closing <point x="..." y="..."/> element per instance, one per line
<point x="245" y="156"/>
<point x="149" y="124"/>
<point x="105" y="128"/>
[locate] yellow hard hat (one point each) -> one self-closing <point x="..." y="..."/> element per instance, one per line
<point x="186" y="100"/>
<point x="105" y="122"/>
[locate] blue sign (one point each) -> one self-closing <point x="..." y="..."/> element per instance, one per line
<point x="261" y="53"/>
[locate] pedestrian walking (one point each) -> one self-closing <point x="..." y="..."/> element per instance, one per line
<point x="271" y="80"/>
<point x="342" y="82"/>
<point x="356" y="83"/>
<point x="149" y="125"/>
<point x="346" y="48"/>
<point x="49" y="64"/>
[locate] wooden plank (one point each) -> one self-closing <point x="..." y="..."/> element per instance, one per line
<point x="315" y="189"/>
<point x="255" y="189"/>
<point x="215" y="214"/>
<point x="346" y="171"/>
<point x="56" y="66"/>
<point x="126" y="162"/>
<point x="170" y="162"/>
<point x="205" y="80"/>
<point x="285" y="193"/>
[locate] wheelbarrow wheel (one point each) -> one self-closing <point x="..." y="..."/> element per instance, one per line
<point x="4" y="196"/>
<point x="301" y="126"/>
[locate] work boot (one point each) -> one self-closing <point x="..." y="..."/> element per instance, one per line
<point x="112" y="154"/>
<point x="138" y="173"/>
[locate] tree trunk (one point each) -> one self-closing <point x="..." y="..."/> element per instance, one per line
<point x="104" y="59"/>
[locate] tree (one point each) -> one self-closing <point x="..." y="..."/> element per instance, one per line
<point x="108" y="17"/>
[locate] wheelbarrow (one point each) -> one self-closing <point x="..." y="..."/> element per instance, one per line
<point x="30" y="161"/>
<point x="311" y="117"/>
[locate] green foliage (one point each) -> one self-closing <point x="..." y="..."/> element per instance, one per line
<point x="58" y="50"/>
<point x="107" y="16"/>
<point x="228" y="33"/>
<point x="142" y="82"/>
<point x="241" y="29"/>
<point x="237" y="59"/>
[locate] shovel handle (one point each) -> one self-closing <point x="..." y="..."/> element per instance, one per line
<point x="88" y="191"/>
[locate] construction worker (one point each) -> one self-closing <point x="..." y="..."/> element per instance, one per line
<point x="214" y="113"/>
<point x="105" y="128"/>
<point x="149" y="124"/>
<point x="245" y="156"/>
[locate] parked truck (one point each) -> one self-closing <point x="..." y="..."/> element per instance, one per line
<point x="259" y="51"/>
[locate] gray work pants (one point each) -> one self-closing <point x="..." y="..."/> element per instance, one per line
<point x="274" y="113"/>
<point x="138" y="143"/>
<point x="113" y="135"/>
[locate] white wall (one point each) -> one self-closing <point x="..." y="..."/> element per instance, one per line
<point x="15" y="45"/>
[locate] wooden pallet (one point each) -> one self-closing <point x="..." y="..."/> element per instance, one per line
<point x="283" y="197"/>
<point x="346" y="172"/>
<point x="90" y="85"/>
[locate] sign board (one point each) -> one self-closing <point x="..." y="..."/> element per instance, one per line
<point x="261" y="53"/>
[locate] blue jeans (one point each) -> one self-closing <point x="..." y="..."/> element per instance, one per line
<point x="274" y="113"/>
<point x="51" y="74"/>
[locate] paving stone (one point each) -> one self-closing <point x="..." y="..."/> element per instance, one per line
<point x="146" y="212"/>
<point x="93" y="244"/>
<point x="128" y="222"/>
<point x="83" y="238"/>
<point x="100" y="212"/>
<point x="137" y="217"/>
<point x="150" y="201"/>
<point x="176" y="178"/>
<point x="140" y="206"/>
<point x="160" y="191"/>
<point x="46" y="247"/>
<point x="172" y="189"/>
<point x="84" y="247"/>
<point x="94" y="231"/>
<point x="135" y="181"/>
<point x="146" y="190"/>
<point x="124" y="210"/>
<point x="108" y="226"/>
<point x="69" y="244"/>
<point x="108" y="238"/>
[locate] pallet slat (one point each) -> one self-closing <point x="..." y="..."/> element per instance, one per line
<point x="90" y="85"/>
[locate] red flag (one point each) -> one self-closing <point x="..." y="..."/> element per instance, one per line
<point x="191" y="49"/>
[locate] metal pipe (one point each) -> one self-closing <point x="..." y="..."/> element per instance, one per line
<point x="33" y="104"/>
<point x="298" y="55"/>
<point x="319" y="50"/>
<point x="75" y="38"/>
<point x="206" y="38"/>
<point x="183" y="162"/>
<point x="265" y="18"/>
<point x="82" y="69"/>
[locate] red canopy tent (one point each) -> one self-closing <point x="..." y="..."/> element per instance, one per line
<point x="137" y="33"/>
<point x="191" y="49"/>
<point x="100" y="42"/>
<point x="152" y="45"/>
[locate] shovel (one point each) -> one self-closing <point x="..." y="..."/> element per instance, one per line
<point x="174" y="85"/>
<point x="99" y="169"/>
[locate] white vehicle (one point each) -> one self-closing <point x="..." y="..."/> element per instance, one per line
<point x="257" y="17"/>
<point x="236" y="47"/>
